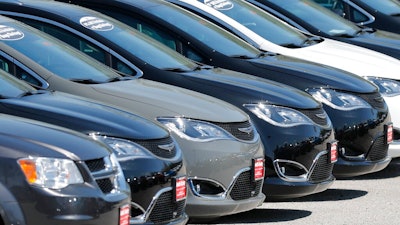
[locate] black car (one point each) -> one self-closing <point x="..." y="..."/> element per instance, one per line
<point x="382" y="14"/>
<point x="296" y="132"/>
<point x="52" y="175"/>
<point x="362" y="145"/>
<point x="310" y="17"/>
<point x="136" y="142"/>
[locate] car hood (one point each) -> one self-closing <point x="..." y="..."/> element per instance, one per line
<point x="154" y="99"/>
<point x="254" y="89"/>
<point x="29" y="137"/>
<point x="354" y="59"/>
<point x="82" y="115"/>
<point x="305" y="74"/>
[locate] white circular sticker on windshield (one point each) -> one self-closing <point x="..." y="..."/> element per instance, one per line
<point x="94" y="23"/>
<point x="10" y="34"/>
<point x="219" y="4"/>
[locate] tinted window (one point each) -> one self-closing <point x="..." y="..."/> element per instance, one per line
<point x="263" y="24"/>
<point x="58" y="57"/>
<point x="388" y="7"/>
<point x="317" y="16"/>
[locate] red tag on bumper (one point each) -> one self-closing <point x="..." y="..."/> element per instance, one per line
<point x="333" y="152"/>
<point x="124" y="215"/>
<point x="258" y="169"/>
<point x="180" y="188"/>
<point x="389" y="133"/>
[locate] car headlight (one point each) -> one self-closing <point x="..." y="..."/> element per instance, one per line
<point x="122" y="148"/>
<point x="387" y="87"/>
<point x="278" y="115"/>
<point x="339" y="100"/>
<point x="50" y="173"/>
<point x="194" y="130"/>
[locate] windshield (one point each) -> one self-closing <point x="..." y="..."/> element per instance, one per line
<point x="259" y="21"/>
<point x="318" y="17"/>
<point x="206" y="32"/>
<point x="388" y="7"/>
<point x="56" y="56"/>
<point x="12" y="87"/>
<point x="145" y="48"/>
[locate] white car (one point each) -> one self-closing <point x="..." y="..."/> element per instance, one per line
<point x="256" y="26"/>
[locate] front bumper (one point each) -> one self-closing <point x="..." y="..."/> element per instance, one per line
<point x="278" y="189"/>
<point x="80" y="204"/>
<point x="208" y="208"/>
<point x="152" y="190"/>
<point x="218" y="165"/>
<point x="357" y="168"/>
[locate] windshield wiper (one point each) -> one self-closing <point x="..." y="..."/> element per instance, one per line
<point x="242" y="56"/>
<point x="115" y="79"/>
<point x="177" y="69"/>
<point x="311" y="40"/>
<point x="85" y="81"/>
<point x="364" y="30"/>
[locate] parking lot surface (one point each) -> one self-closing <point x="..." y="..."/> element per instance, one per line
<point x="368" y="199"/>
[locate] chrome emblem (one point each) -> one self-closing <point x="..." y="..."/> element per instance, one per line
<point x="246" y="130"/>
<point x="167" y="147"/>
<point x="379" y="99"/>
<point x="321" y="115"/>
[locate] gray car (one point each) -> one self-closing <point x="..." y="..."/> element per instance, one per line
<point x="221" y="148"/>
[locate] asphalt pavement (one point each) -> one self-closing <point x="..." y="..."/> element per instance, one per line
<point x="368" y="199"/>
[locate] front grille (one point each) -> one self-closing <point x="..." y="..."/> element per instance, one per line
<point x="166" y="208"/>
<point x="234" y="129"/>
<point x="318" y="116"/>
<point x="374" y="99"/>
<point x="245" y="187"/>
<point x="322" y="170"/>
<point x="95" y="165"/>
<point x="105" y="185"/>
<point x="154" y="147"/>
<point x="379" y="149"/>
<point x="99" y="169"/>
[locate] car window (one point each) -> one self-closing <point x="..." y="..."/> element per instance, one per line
<point x="319" y="17"/>
<point x="388" y="7"/>
<point x="8" y="67"/>
<point x="58" y="57"/>
<point x="159" y="35"/>
<point x="261" y="22"/>
<point x="10" y="87"/>
<point x="356" y="16"/>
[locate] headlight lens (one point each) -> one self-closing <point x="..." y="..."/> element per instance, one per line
<point x="387" y="87"/>
<point x="339" y="100"/>
<point x="50" y="173"/>
<point x="123" y="149"/>
<point x="194" y="130"/>
<point x="278" y="115"/>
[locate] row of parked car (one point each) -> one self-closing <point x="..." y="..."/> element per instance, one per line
<point x="157" y="111"/>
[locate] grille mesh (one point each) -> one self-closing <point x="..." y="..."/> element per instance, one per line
<point x="95" y="165"/>
<point x="105" y="185"/>
<point x="312" y="114"/>
<point x="322" y="170"/>
<point x="245" y="188"/>
<point x="374" y="99"/>
<point x="379" y="149"/>
<point x="103" y="178"/>
<point x="166" y="208"/>
<point x="153" y="146"/>
<point x="233" y="128"/>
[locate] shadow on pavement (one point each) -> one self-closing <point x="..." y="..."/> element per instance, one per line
<point x="259" y="215"/>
